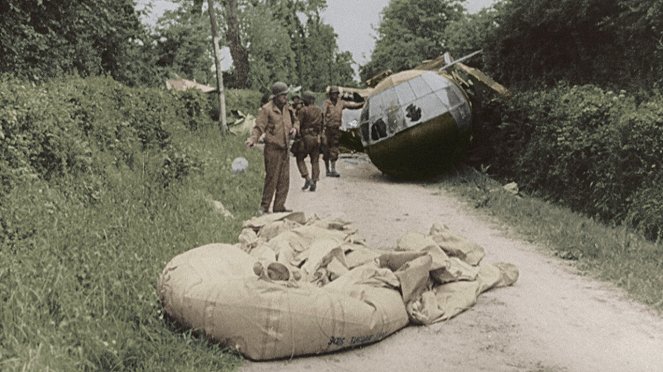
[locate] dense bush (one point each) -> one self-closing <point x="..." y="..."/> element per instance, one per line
<point x="598" y="151"/>
<point x="74" y="132"/>
<point x="243" y="100"/>
<point x="602" y="42"/>
<point x="101" y="186"/>
<point x="40" y="40"/>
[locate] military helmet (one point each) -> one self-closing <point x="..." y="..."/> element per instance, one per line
<point x="279" y="88"/>
<point x="333" y="89"/>
<point x="308" y="97"/>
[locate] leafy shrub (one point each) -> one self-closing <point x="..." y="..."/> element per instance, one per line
<point x="587" y="147"/>
<point x="68" y="132"/>
<point x="101" y="185"/>
<point x="177" y="165"/>
<point x="197" y="108"/>
<point x="645" y="210"/>
<point x="246" y="101"/>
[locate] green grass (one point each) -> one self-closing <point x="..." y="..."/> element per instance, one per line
<point x="613" y="254"/>
<point x="77" y="279"/>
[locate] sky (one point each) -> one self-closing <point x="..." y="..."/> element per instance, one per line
<point x="354" y="21"/>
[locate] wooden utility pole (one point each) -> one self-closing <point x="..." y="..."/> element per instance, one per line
<point x="217" y="63"/>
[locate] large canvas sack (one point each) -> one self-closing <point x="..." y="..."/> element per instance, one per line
<point x="214" y="289"/>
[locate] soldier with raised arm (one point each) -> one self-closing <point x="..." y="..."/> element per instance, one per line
<point x="333" y="116"/>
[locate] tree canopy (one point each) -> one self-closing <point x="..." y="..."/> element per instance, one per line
<point x="42" y="39"/>
<point x="605" y="42"/>
<point x="269" y="40"/>
<point x="411" y="31"/>
<point x="591" y="41"/>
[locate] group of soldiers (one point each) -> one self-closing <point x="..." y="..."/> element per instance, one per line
<point x="314" y="129"/>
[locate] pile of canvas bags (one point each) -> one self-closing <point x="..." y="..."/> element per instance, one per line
<point x="295" y="286"/>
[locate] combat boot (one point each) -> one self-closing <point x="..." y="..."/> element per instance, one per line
<point x="333" y="172"/>
<point x="327" y="168"/>
<point x="307" y="184"/>
<point x="313" y="185"/>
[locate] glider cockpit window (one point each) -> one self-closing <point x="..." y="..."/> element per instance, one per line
<point x="378" y="130"/>
<point x="364" y="131"/>
<point x="363" y="123"/>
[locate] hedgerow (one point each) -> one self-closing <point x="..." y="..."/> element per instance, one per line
<point x="101" y="185"/>
<point x="595" y="150"/>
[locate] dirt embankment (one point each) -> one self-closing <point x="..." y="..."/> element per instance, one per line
<point x="551" y="320"/>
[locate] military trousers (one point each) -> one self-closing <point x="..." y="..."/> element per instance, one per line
<point x="333" y="136"/>
<point x="311" y="149"/>
<point x="277" y="178"/>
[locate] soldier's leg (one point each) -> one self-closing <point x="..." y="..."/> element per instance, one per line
<point x="301" y="164"/>
<point x="334" y="143"/>
<point x="283" y="182"/>
<point x="271" y="168"/>
<point x="315" y="163"/>
<point x="325" y="153"/>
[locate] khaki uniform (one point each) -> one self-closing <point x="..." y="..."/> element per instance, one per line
<point x="310" y="119"/>
<point x="333" y="118"/>
<point x="276" y="126"/>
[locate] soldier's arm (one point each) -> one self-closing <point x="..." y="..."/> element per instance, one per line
<point x="258" y="128"/>
<point x="325" y="107"/>
<point x="298" y="120"/>
<point x="322" y="123"/>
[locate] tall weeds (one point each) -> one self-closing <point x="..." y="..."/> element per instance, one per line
<point x="101" y="186"/>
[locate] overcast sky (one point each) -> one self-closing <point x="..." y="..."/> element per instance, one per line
<point x="353" y="20"/>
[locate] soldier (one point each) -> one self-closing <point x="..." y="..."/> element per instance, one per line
<point x="275" y="121"/>
<point x="333" y="115"/>
<point x="310" y="124"/>
<point x="297" y="104"/>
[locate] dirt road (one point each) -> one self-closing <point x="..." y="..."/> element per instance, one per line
<point x="551" y="320"/>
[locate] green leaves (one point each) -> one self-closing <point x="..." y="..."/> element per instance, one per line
<point x="603" y="42"/>
<point x="595" y="150"/>
<point x="40" y="40"/>
<point x="411" y="31"/>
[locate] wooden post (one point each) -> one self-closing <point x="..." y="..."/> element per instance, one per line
<point x="217" y="63"/>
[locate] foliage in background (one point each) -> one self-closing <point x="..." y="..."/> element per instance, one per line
<point x="469" y="33"/>
<point x="43" y="39"/>
<point x="183" y="43"/>
<point x="595" y="150"/>
<point x="288" y="41"/>
<point x="603" y="42"/>
<point x="284" y="40"/>
<point x="101" y="186"/>
<point x="410" y="32"/>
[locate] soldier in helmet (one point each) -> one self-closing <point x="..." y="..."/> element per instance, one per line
<point x="310" y="124"/>
<point x="333" y="115"/>
<point x="275" y="120"/>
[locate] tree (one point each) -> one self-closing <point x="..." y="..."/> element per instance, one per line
<point x="599" y="41"/>
<point x="183" y="42"/>
<point x="270" y="54"/>
<point x="469" y="33"/>
<point x="238" y="52"/>
<point x="411" y="31"/>
<point x="42" y="39"/>
<point x="269" y="40"/>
